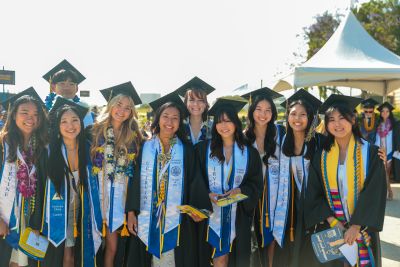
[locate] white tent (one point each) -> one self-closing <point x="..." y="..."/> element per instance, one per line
<point x="352" y="58"/>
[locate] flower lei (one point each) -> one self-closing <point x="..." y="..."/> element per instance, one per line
<point x="52" y="96"/>
<point x="384" y="128"/>
<point x="116" y="166"/>
<point x="26" y="183"/>
<point x="163" y="158"/>
<point x="371" y="126"/>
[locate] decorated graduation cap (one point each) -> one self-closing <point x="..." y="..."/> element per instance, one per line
<point x="343" y="100"/>
<point x="60" y="102"/>
<point x="63" y="66"/>
<point x="171" y="97"/>
<point x="236" y="104"/>
<point x="265" y="91"/>
<point x="30" y="92"/>
<point x="195" y="83"/>
<point x="369" y="103"/>
<point x="302" y="94"/>
<point x="123" y="89"/>
<point x="385" y="105"/>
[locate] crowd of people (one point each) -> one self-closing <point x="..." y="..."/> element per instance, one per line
<point x="105" y="192"/>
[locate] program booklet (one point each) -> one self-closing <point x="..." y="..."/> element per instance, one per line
<point x="228" y="200"/>
<point x="326" y="244"/>
<point x="34" y="246"/>
<point x="204" y="214"/>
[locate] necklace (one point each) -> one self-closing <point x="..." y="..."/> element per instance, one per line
<point x="370" y="127"/>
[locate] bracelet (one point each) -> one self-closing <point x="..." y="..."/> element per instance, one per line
<point x="333" y="223"/>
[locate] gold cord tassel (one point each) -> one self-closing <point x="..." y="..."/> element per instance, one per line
<point x="75" y="227"/>
<point x="124" y="231"/>
<point x="104" y="233"/>
<point x="291" y="234"/>
<point x="266" y="220"/>
<point x="291" y="219"/>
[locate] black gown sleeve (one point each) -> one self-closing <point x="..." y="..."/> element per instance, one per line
<point x="35" y="221"/>
<point x="316" y="208"/>
<point x="370" y="207"/>
<point x="252" y="183"/>
<point x="133" y="193"/>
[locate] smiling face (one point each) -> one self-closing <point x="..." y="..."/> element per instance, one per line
<point x="297" y="118"/>
<point x="169" y="122"/>
<point x="66" y="89"/>
<point x="121" y="111"/>
<point x="26" y="118"/>
<point x="263" y="113"/>
<point x="385" y="113"/>
<point x="225" y="127"/>
<point x="70" y="125"/>
<point x="338" y="125"/>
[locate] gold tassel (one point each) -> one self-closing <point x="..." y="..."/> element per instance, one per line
<point x="266" y="220"/>
<point x="291" y="234"/>
<point x="104" y="233"/>
<point x="124" y="231"/>
<point x="75" y="231"/>
<point x="291" y="219"/>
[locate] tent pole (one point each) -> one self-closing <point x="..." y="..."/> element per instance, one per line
<point x="385" y="91"/>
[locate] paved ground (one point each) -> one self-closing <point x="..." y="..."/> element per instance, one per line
<point x="390" y="236"/>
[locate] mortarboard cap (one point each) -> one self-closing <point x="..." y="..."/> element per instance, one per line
<point x="385" y="105"/>
<point x="265" y="91"/>
<point x="221" y="102"/>
<point x="195" y="83"/>
<point x="30" y="91"/>
<point x="60" y="101"/>
<point x="334" y="99"/>
<point x="171" y="97"/>
<point x="124" y="89"/>
<point x="369" y="103"/>
<point x="64" y="65"/>
<point x="303" y="95"/>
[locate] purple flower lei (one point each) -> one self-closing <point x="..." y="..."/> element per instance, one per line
<point x="26" y="183"/>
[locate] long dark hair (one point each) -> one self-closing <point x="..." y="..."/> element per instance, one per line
<point x="58" y="168"/>
<point x="348" y="116"/>
<point x="155" y="126"/>
<point x="270" y="135"/>
<point x="216" y="140"/>
<point x="391" y="118"/>
<point x="13" y="136"/>
<point x="288" y="145"/>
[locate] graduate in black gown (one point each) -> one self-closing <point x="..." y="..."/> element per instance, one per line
<point x="346" y="186"/>
<point x="368" y="120"/>
<point x="195" y="94"/>
<point x="298" y="148"/>
<point x="165" y="178"/>
<point x="266" y="137"/>
<point x="228" y="166"/>
<point x="23" y="164"/>
<point x="67" y="219"/>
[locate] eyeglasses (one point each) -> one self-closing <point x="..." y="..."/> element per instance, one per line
<point x="368" y="111"/>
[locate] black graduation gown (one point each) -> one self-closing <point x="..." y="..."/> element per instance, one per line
<point x="252" y="187"/>
<point x="186" y="252"/>
<point x="396" y="147"/>
<point x="371" y="135"/>
<point x="370" y="209"/>
<point x="35" y="220"/>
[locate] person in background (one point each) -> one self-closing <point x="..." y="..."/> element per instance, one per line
<point x="368" y="120"/>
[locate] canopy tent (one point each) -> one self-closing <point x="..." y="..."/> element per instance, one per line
<point x="352" y="58"/>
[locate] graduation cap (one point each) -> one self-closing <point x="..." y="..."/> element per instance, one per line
<point x="221" y="102"/>
<point x="369" y="103"/>
<point x="385" y="105"/>
<point x="265" y="91"/>
<point x="334" y="99"/>
<point x="171" y="97"/>
<point x="30" y="91"/>
<point x="195" y="83"/>
<point x="64" y="65"/>
<point x="124" y="89"/>
<point x="60" y="102"/>
<point x="302" y="94"/>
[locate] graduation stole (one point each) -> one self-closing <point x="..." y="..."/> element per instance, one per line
<point x="286" y="186"/>
<point x="388" y="145"/>
<point x="222" y="222"/>
<point x="203" y="134"/>
<point x="161" y="191"/>
<point x="267" y="203"/>
<point x="356" y="171"/>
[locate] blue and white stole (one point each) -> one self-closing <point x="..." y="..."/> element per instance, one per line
<point x="11" y="206"/>
<point x="159" y="231"/>
<point x="267" y="203"/>
<point x="284" y="189"/>
<point x="222" y="222"/>
<point x="388" y="145"/>
<point x="204" y="133"/>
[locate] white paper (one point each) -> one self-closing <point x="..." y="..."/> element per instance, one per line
<point x="396" y="154"/>
<point x="350" y="252"/>
<point x="38" y="242"/>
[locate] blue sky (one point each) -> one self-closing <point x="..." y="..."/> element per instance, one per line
<point x="158" y="45"/>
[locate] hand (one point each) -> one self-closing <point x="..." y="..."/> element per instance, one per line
<point x="234" y="191"/>
<point x="36" y="232"/>
<point x="352" y="234"/>
<point x="330" y="219"/>
<point x="132" y="223"/>
<point x="214" y="197"/>
<point x="195" y="217"/>
<point x="3" y="228"/>
<point x="382" y="154"/>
